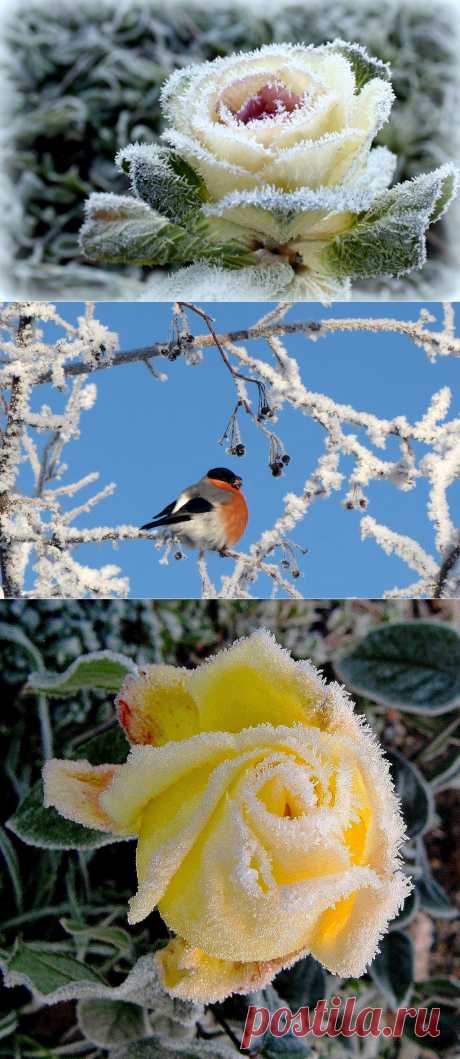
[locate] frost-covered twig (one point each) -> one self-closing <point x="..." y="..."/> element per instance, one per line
<point x="38" y="533"/>
<point x="434" y="342"/>
<point x="33" y="519"/>
<point x="208" y="590"/>
<point x="247" y="569"/>
<point x="448" y="566"/>
<point x="10" y="454"/>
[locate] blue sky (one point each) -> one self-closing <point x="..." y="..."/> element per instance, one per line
<point x="153" y="438"/>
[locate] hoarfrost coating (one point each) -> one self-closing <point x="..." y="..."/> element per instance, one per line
<point x="266" y="817"/>
<point x="38" y="535"/>
<point x="267" y="167"/>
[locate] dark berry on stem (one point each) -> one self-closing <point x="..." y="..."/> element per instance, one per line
<point x="276" y="468"/>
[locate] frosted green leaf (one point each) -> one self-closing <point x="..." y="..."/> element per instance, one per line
<point x="136" y="234"/>
<point x="110" y="1022"/>
<point x="52" y="977"/>
<point x="365" y="67"/>
<point x="433" y="899"/>
<point x="413" y="666"/>
<point x="45" y="972"/>
<point x="46" y="828"/>
<point x="288" y="1047"/>
<point x="13" y="634"/>
<point x="111" y="746"/>
<point x="389" y="239"/>
<point x="8" y="853"/>
<point x="393" y="968"/>
<point x="115" y="936"/>
<point x="162" y="180"/>
<point x="413" y="792"/>
<point x="99" y="669"/>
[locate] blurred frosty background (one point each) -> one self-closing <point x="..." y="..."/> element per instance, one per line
<point x="82" y="81"/>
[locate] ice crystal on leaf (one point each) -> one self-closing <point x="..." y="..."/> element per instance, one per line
<point x="267" y="161"/>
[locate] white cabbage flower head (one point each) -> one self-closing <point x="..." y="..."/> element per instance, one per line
<point x="269" y="160"/>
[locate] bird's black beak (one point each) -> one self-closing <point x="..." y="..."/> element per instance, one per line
<point x="238" y="483"/>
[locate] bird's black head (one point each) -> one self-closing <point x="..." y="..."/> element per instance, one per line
<point x="222" y="474"/>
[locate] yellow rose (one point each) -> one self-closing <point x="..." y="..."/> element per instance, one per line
<point x="266" y="819"/>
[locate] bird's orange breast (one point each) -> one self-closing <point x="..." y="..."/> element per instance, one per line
<point x="235" y="517"/>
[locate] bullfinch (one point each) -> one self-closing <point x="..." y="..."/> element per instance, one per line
<point x="210" y="515"/>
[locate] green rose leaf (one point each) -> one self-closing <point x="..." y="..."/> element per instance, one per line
<point x="44" y="971"/>
<point x="14" y="635"/>
<point x="101" y="669"/>
<point x="392" y="968"/>
<point x="111" y="746"/>
<point x="449" y="1031"/>
<point x="302" y="984"/>
<point x="110" y="1022"/>
<point x="288" y="1047"/>
<point x="433" y="898"/>
<point x="127" y="231"/>
<point x="52" y="977"/>
<point x="389" y="239"/>
<point x="365" y="68"/>
<point x="414" y="794"/>
<point x="439" y="987"/>
<point x="449" y="775"/>
<point x="48" y="829"/>
<point x="9" y="855"/>
<point x="409" y="910"/>
<point x="163" y="180"/>
<point x="115" y="936"/>
<point x="411" y="666"/>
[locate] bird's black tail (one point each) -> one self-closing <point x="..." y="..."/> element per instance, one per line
<point x="171" y="520"/>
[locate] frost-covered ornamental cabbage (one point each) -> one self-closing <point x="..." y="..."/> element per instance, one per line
<point x="268" y="166"/>
<point x="266" y="818"/>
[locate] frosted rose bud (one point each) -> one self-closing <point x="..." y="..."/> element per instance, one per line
<point x="266" y="819"/>
<point x="283" y="119"/>
<point x="286" y="115"/>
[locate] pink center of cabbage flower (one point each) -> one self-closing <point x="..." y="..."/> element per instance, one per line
<point x="269" y="102"/>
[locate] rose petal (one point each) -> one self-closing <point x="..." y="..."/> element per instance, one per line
<point x="156" y="707"/>
<point x="346" y="937"/>
<point x="256" y="682"/>
<point x="191" y="974"/>
<point x="317" y="163"/>
<point x="221" y="176"/>
<point x="370" y="109"/>
<point x="75" y="788"/>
